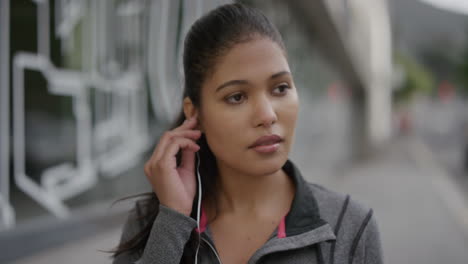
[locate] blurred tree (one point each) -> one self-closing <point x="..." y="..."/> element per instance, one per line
<point x="441" y="57"/>
<point x="462" y="73"/>
<point x="417" y="79"/>
<point x="448" y="62"/>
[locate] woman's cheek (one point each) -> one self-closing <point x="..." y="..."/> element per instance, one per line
<point x="222" y="131"/>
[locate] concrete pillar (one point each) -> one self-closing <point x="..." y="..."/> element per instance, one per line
<point x="365" y="30"/>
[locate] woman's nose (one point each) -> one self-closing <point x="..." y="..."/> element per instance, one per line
<point x="264" y="114"/>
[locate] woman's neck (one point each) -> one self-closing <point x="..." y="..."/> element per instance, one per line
<point x="254" y="195"/>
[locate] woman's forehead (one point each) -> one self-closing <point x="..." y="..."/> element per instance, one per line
<point x="254" y="60"/>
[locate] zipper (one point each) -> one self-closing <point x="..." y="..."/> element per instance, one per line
<point x="213" y="249"/>
<point x="216" y="253"/>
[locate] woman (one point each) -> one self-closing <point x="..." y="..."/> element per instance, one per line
<point x="239" y="114"/>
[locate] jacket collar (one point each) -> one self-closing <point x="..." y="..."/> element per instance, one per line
<point x="303" y="217"/>
<point x="304" y="226"/>
<point x="304" y="214"/>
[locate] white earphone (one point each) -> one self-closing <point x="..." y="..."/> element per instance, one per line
<point x="198" y="205"/>
<point x="199" y="213"/>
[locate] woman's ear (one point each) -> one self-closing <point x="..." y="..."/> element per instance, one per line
<point x="190" y="110"/>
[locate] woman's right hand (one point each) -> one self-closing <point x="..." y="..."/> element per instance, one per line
<point x="175" y="186"/>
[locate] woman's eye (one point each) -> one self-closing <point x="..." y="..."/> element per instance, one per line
<point x="281" y="89"/>
<point x="235" y="98"/>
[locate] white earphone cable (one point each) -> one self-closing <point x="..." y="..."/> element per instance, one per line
<point x="198" y="206"/>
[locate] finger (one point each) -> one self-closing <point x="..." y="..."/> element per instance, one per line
<point x="168" y="161"/>
<point x="188" y="160"/>
<point x="164" y="141"/>
<point x="168" y="137"/>
<point x="188" y="124"/>
<point x="187" y="169"/>
<point x="177" y="144"/>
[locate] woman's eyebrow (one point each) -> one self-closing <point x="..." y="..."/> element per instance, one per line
<point x="279" y="74"/>
<point x="232" y="82"/>
<point x="243" y="82"/>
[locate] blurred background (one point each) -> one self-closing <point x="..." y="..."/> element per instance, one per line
<point x="87" y="87"/>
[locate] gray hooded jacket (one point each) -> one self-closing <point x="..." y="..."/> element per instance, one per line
<point x="321" y="227"/>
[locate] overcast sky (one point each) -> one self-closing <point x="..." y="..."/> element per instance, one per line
<point x="458" y="6"/>
<point x="418" y="25"/>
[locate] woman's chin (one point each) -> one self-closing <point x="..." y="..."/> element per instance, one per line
<point x="267" y="164"/>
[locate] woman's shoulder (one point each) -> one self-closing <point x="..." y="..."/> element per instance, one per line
<point x="339" y="208"/>
<point x="353" y="223"/>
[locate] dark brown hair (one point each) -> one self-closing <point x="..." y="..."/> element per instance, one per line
<point x="209" y="38"/>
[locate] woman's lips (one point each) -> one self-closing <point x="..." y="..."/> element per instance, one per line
<point x="267" y="148"/>
<point x="267" y="144"/>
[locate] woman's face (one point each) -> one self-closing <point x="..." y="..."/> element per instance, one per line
<point x="250" y="94"/>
